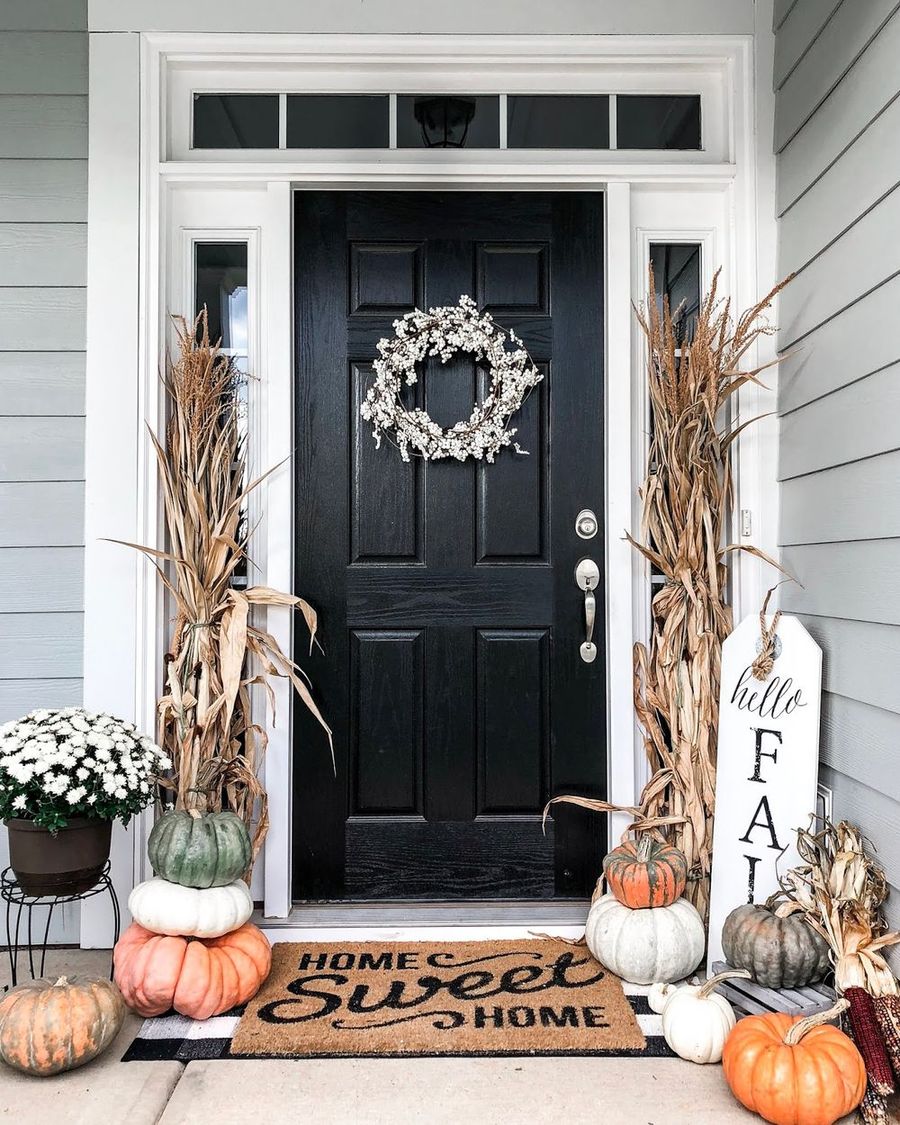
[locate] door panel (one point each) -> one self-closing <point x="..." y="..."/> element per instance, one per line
<point x="449" y="614"/>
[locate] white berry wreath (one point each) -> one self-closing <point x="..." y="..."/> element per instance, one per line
<point x="443" y="331"/>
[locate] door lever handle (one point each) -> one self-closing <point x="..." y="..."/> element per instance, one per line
<point x="587" y="578"/>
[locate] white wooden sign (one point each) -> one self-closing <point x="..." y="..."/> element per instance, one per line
<point x="768" y="760"/>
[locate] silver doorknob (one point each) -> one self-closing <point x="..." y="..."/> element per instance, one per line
<point x="587" y="577"/>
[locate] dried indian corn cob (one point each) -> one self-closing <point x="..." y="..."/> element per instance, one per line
<point x="867" y="1037"/>
<point x="887" y="1012"/>
<point x="873" y="1108"/>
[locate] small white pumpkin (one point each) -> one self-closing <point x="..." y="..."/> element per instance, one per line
<point x="169" y="908"/>
<point x="659" y="995"/>
<point x="696" y="1020"/>
<point x="660" y="943"/>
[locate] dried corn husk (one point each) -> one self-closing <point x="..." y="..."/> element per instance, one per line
<point x="686" y="497"/>
<point x="218" y="650"/>
<point x="841" y="890"/>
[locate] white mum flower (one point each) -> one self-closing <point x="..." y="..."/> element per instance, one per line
<point x="75" y="795"/>
<point x="19" y="801"/>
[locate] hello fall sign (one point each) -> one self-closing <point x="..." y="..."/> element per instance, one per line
<point x="767" y="768"/>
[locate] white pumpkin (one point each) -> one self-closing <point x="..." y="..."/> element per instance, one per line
<point x="659" y="995"/>
<point x="659" y="943"/>
<point x="169" y="908"/>
<point x="696" y="1020"/>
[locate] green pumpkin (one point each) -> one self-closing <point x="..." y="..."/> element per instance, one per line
<point x="775" y="944"/>
<point x="199" y="851"/>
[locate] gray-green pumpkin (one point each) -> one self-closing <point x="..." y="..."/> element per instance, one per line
<point x="776" y="945"/>
<point x="199" y="851"/>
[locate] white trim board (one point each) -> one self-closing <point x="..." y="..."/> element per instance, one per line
<point x="123" y="630"/>
<point x="650" y="17"/>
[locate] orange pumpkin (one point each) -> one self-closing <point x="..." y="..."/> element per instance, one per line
<point x="47" y="1027"/>
<point x="195" y="976"/>
<point x="794" y="1071"/>
<point x="647" y="873"/>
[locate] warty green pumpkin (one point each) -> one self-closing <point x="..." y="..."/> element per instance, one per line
<point x="199" y="851"/>
<point x="775" y="944"/>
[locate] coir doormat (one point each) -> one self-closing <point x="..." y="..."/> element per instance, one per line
<point x="456" y="998"/>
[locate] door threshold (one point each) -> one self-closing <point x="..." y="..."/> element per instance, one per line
<point x="426" y="921"/>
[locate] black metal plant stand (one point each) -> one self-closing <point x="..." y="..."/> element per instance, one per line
<point x="19" y="903"/>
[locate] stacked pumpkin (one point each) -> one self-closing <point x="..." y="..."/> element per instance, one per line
<point x="643" y="930"/>
<point x="191" y="946"/>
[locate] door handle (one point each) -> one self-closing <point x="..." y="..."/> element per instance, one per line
<point x="587" y="578"/>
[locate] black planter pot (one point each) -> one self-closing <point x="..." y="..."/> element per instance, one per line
<point x="67" y="863"/>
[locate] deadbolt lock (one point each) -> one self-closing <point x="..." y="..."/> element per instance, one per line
<point x="586" y="525"/>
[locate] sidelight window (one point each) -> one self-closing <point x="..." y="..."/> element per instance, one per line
<point x="676" y="279"/>
<point x="220" y="286"/>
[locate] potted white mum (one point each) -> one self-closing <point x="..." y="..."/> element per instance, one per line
<point x="65" y="776"/>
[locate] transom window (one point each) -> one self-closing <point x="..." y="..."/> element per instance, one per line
<point x="479" y="121"/>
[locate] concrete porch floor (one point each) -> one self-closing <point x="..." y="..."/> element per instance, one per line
<point x="377" y="1091"/>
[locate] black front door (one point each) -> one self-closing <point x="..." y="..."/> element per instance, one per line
<point x="449" y="614"/>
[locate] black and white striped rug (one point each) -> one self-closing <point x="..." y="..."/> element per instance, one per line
<point x="175" y="1037"/>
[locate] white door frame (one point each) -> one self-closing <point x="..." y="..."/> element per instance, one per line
<point x="138" y="173"/>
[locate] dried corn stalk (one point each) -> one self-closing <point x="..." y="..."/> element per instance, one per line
<point x="217" y="651"/>
<point x="841" y="890"/>
<point x="686" y="497"/>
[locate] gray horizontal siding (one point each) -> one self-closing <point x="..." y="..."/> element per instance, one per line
<point x="42" y="319"/>
<point x="798" y="31"/>
<point x="855" y="581"/>
<point x="49" y="513"/>
<point x="844" y="350"/>
<point x="33" y="449"/>
<point x="851" y="423"/>
<point x="860" y="662"/>
<point x="38" y="125"/>
<point x="857" y="263"/>
<point x="847" y="723"/>
<point x="43" y="209"/>
<point x="43" y="254"/>
<point x="43" y="191"/>
<point x="860" y="500"/>
<point x="42" y="579"/>
<point x="18" y="697"/>
<point x="43" y="15"/>
<point x="825" y="215"/>
<point x="837" y="124"/>
<point x="871" y="84"/>
<point x="842" y="41"/>
<point x="43" y="62"/>
<point x="781" y="10"/>
<point x="50" y="383"/>
<point x="866" y="803"/>
<point x="41" y="645"/>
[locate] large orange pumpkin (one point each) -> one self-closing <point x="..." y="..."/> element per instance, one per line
<point x="794" y="1071"/>
<point x="195" y="976"/>
<point x="647" y="873"/>
<point x="48" y="1026"/>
